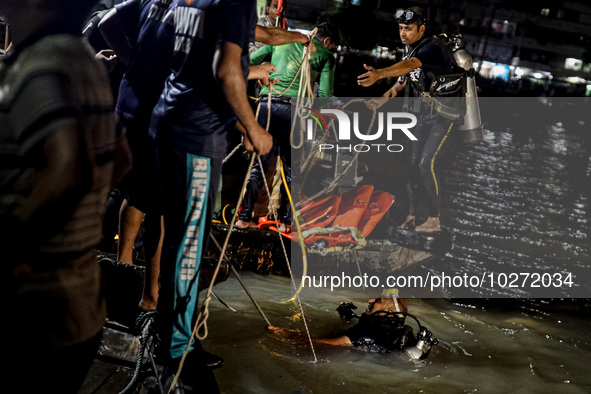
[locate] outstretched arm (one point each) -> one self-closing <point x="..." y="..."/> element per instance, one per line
<point x="375" y="74"/>
<point x="338" y="341"/>
<point x="278" y="36"/>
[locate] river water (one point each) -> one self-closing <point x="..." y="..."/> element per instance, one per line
<point x="486" y="346"/>
<point x="517" y="201"/>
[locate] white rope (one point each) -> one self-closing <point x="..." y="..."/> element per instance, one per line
<point x="305" y="90"/>
<point x="333" y="184"/>
<point x="300" y="239"/>
<point x="239" y="278"/>
<point x="231" y="153"/>
<point x="201" y="322"/>
<point x="275" y="215"/>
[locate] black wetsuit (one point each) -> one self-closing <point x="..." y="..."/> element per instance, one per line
<point x="433" y="130"/>
<point x="381" y="332"/>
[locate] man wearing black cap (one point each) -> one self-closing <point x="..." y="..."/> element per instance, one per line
<point x="426" y="60"/>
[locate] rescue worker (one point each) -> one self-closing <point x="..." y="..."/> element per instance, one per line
<point x="381" y="328"/>
<point x="287" y="59"/>
<point x="427" y="60"/>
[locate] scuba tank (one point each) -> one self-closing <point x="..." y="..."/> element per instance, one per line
<point x="424" y="338"/>
<point x="425" y="342"/>
<point x="473" y="129"/>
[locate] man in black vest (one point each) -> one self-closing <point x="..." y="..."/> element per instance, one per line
<point x="427" y="59"/>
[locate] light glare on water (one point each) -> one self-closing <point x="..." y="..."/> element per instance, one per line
<point x="493" y="346"/>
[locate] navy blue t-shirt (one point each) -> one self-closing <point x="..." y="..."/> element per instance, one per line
<point x="149" y="67"/>
<point x="199" y="26"/>
<point x="436" y="59"/>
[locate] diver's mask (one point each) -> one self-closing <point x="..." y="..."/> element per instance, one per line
<point x="408" y="17"/>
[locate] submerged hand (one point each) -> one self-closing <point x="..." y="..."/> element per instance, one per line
<point x="282" y="332"/>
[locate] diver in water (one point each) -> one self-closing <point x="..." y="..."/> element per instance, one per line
<point x="381" y="328"/>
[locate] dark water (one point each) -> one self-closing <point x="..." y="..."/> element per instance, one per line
<point x="486" y="346"/>
<point x="517" y="201"/>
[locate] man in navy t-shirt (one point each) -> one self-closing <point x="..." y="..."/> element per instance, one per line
<point x="427" y="59"/>
<point x="204" y="91"/>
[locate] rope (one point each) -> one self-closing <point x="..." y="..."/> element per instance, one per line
<point x="298" y="227"/>
<point x="143" y="341"/>
<point x="303" y="247"/>
<point x="223" y="303"/>
<point x="201" y="322"/>
<point x="304" y="89"/>
<point x="304" y="65"/>
<point x="301" y="242"/>
<point x="358" y="266"/>
<point x="232" y="153"/>
<point x="224" y="213"/>
<point x="340" y="176"/>
<point x="237" y="275"/>
<point x="317" y="143"/>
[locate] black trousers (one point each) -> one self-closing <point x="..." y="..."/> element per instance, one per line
<point x="434" y="135"/>
<point x="280" y="129"/>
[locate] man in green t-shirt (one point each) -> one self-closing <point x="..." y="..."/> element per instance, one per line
<point x="287" y="59"/>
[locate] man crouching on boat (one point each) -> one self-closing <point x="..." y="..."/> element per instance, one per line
<point x="380" y="328"/>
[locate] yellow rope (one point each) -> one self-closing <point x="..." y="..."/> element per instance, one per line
<point x="224" y="213"/>
<point x="201" y="321"/>
<point x="300" y="238"/>
<point x="304" y="260"/>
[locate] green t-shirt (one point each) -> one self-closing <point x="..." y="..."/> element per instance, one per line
<point x="287" y="59"/>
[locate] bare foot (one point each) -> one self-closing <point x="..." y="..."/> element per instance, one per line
<point x="242" y="224"/>
<point x="147" y="304"/>
<point x="432" y="225"/>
